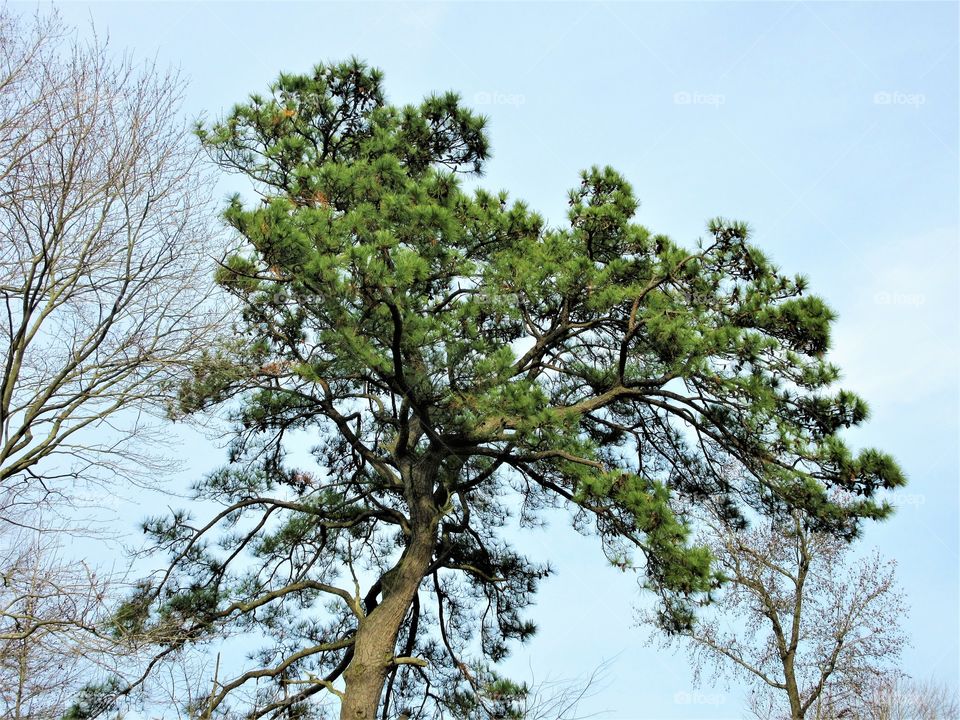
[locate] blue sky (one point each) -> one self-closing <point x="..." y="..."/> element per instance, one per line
<point x="830" y="128"/>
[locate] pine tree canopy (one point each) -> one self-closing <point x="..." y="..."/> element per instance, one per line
<point x="458" y="366"/>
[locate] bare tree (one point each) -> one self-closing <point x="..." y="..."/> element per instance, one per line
<point x="560" y="698"/>
<point x="104" y="259"/>
<point x="51" y="610"/>
<point x="812" y="632"/>
<point x="105" y="282"/>
<point x="899" y="698"/>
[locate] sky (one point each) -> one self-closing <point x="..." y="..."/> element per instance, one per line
<point x="832" y="129"/>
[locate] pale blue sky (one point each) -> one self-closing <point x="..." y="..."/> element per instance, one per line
<point x="830" y="128"/>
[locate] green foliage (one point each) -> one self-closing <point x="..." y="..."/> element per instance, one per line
<point x="453" y="356"/>
<point x="95" y="701"/>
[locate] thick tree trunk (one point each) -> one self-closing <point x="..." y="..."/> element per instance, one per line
<point x="376" y="638"/>
<point x="793" y="691"/>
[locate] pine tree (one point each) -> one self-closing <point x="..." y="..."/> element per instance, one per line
<point x="451" y="356"/>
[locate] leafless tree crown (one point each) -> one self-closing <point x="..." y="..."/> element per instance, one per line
<point x="104" y="256"/>
<point x="811" y="631"/>
<point x="105" y="300"/>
